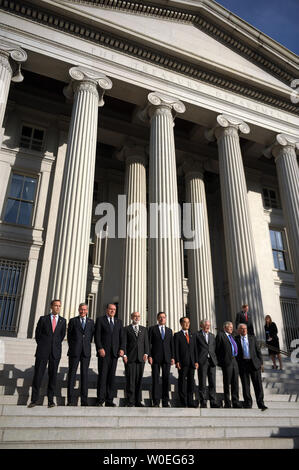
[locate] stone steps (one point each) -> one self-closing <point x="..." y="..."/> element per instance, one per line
<point x="139" y="428"/>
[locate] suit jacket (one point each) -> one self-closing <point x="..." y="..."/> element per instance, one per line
<point x="254" y="350"/>
<point x="136" y="346"/>
<point x="185" y="353"/>
<point x="162" y="351"/>
<point x="111" y="342"/>
<point x="204" y="348"/>
<point x="79" y="340"/>
<point x="223" y="349"/>
<point x="240" y="318"/>
<point x="49" y="343"/>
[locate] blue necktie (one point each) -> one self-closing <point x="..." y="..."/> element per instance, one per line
<point x="83" y="323"/>
<point x="245" y="348"/>
<point x="162" y="332"/>
<point x="234" y="345"/>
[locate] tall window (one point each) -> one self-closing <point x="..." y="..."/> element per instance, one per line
<point x="11" y="283"/>
<point x="32" y="138"/>
<point x="279" y="251"/>
<point x="21" y="198"/>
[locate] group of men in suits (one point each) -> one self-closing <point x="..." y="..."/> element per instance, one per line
<point x="136" y="345"/>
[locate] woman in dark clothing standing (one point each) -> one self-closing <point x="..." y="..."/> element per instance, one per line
<point x="272" y="340"/>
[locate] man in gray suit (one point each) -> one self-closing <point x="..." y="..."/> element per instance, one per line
<point x="207" y="361"/>
<point x="136" y="354"/>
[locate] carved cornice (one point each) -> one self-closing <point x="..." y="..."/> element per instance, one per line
<point x="103" y="38"/>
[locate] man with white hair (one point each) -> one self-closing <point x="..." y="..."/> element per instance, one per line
<point x="227" y="351"/>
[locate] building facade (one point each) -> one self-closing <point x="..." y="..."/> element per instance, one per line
<point x="110" y="108"/>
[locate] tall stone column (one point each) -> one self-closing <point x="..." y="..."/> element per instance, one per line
<point x="166" y="283"/>
<point x="11" y="58"/>
<point x="284" y="151"/>
<point x="133" y="296"/>
<point x="200" y="272"/>
<point x="70" y="259"/>
<point x="243" y="278"/>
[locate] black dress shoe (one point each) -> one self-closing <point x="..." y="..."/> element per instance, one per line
<point x="156" y="404"/>
<point x="263" y="407"/>
<point x="139" y="405"/>
<point x="84" y="404"/>
<point x="215" y="405"/>
<point x="248" y="406"/>
<point x="227" y="405"/>
<point x="193" y="405"/>
<point x="166" y="405"/>
<point x="130" y="405"/>
<point x="99" y="403"/>
<point x="32" y="404"/>
<point x="237" y="405"/>
<point x="110" y="403"/>
<point x="204" y="404"/>
<point x="51" y="404"/>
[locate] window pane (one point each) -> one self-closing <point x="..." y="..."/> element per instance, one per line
<point x="26" y="131"/>
<point x="36" y="145"/>
<point x="281" y="261"/>
<point x="25" y="213"/>
<point x="275" y="258"/>
<point x="16" y="186"/>
<point x="273" y="238"/>
<point x="29" y="189"/>
<point x="38" y="134"/>
<point x="279" y="241"/>
<point x="11" y="212"/>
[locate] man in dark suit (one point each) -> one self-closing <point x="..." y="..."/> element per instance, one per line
<point x="250" y="365"/>
<point x="245" y="317"/>
<point x="109" y="340"/>
<point x="161" y="356"/>
<point x="79" y="335"/>
<point x="207" y="362"/>
<point x="227" y="351"/>
<point x="49" y="334"/>
<point x="136" y="354"/>
<point x="186" y="362"/>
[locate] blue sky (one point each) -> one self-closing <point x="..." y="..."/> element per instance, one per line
<point x="279" y="19"/>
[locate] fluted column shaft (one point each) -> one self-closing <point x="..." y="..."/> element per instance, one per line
<point x="133" y="297"/>
<point x="244" y="285"/>
<point x="70" y="260"/>
<point x="288" y="179"/>
<point x="200" y="274"/>
<point x="10" y="59"/>
<point x="166" y="291"/>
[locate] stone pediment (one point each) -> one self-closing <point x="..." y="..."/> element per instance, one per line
<point x="197" y="39"/>
<point x="183" y="37"/>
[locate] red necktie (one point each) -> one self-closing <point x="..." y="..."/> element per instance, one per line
<point x="187" y="337"/>
<point x="54" y="323"/>
<point x="246" y="317"/>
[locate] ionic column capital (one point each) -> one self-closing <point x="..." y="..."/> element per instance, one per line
<point x="133" y="152"/>
<point x="161" y="103"/>
<point x="227" y="126"/>
<point x="86" y="79"/>
<point x="283" y="143"/>
<point x="11" y="57"/>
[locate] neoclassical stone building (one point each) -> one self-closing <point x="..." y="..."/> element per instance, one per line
<point x="164" y="102"/>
